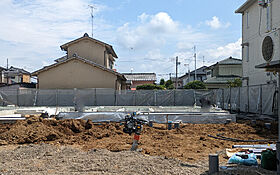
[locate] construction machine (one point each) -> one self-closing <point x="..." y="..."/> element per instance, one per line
<point x="133" y="125"/>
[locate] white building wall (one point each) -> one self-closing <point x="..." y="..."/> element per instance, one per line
<point x="254" y="28"/>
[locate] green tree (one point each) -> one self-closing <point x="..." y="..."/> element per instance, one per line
<point x="149" y="87"/>
<point x="162" y="82"/>
<point x="195" y="85"/>
<point x="237" y="82"/>
<point x="168" y="83"/>
<point x="170" y="86"/>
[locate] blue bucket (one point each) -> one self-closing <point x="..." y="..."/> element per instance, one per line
<point x="169" y="125"/>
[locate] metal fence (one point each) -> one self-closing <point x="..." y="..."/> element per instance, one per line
<point x="97" y="97"/>
<point x="253" y="99"/>
<point x="260" y="99"/>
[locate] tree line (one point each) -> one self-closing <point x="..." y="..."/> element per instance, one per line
<point x="167" y="85"/>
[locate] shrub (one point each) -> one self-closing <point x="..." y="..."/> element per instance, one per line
<point x="150" y="87"/>
<point x="170" y="86"/>
<point x="237" y="82"/>
<point x="195" y="85"/>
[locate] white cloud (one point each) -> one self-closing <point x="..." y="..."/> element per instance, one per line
<point x="154" y="54"/>
<point x="163" y="23"/>
<point x="215" y="23"/>
<point x="34" y="30"/>
<point x="161" y="37"/>
<point x="222" y="52"/>
<point x="156" y="31"/>
<point x="143" y="17"/>
<point x="181" y="46"/>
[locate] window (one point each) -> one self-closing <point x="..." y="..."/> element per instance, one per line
<point x="269" y="17"/>
<point x="111" y="64"/>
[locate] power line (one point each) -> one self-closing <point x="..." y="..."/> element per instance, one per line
<point x="147" y="59"/>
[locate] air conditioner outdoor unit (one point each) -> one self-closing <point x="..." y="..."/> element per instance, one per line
<point x="270" y="46"/>
<point x="262" y="2"/>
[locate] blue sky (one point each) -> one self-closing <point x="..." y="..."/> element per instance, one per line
<point x="146" y="35"/>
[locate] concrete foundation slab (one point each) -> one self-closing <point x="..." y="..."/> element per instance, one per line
<point x="159" y="114"/>
<point x="198" y="118"/>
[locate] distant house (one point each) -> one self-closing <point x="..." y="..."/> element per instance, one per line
<point x="88" y="64"/>
<point x="2" y="69"/>
<point x="15" y="75"/>
<point x="179" y="81"/>
<point x="223" y="71"/>
<point x="189" y="77"/>
<point x="137" y="79"/>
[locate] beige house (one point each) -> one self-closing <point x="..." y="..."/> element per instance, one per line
<point x="15" y="75"/>
<point x="88" y="64"/>
<point x="223" y="71"/>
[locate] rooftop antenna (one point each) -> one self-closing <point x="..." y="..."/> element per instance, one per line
<point x="91" y="7"/>
<point x="7" y="63"/>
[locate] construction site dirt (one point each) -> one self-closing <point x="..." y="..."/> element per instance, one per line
<point x="190" y="143"/>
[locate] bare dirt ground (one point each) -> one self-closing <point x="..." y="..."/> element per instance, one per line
<point x="178" y="151"/>
<point x="50" y="159"/>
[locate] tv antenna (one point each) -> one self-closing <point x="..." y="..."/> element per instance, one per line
<point x="91" y="7"/>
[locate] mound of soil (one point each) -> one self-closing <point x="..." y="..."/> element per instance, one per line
<point x="189" y="143"/>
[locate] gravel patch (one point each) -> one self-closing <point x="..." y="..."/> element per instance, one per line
<point x="50" y="159"/>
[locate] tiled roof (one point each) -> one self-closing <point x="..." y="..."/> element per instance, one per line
<point x="2" y="68"/>
<point x="220" y="80"/>
<point x="199" y="71"/>
<point x="14" y="70"/>
<point x="61" y="58"/>
<point x="140" y="76"/>
<point x="108" y="47"/>
<point x="229" y="61"/>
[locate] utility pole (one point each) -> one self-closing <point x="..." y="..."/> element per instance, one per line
<point x="91" y="7"/>
<point x="177" y="63"/>
<point x="170" y="76"/>
<point x="189" y="76"/>
<point x="7" y="70"/>
<point x="203" y="60"/>
<point x="194" y="49"/>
